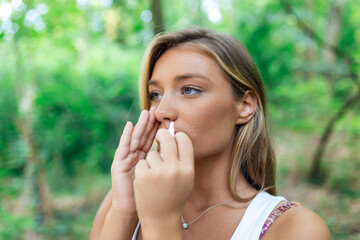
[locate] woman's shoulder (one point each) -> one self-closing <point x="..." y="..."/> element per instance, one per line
<point x="298" y="223"/>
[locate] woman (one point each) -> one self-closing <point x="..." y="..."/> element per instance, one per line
<point x="215" y="178"/>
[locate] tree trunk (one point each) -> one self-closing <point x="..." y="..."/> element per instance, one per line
<point x="329" y="58"/>
<point x="35" y="182"/>
<point x="332" y="38"/>
<point x="310" y="50"/>
<point x="316" y="161"/>
<point x="158" y="24"/>
<point x="37" y="169"/>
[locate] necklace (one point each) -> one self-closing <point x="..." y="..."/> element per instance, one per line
<point x="186" y="225"/>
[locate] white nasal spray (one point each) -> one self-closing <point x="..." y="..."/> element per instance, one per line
<point x="171" y="129"/>
<point x="172" y="132"/>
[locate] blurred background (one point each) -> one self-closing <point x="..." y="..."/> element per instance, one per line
<point x="68" y="84"/>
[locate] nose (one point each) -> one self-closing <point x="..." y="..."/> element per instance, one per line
<point x="166" y="110"/>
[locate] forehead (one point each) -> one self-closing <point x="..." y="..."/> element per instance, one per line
<point x="185" y="59"/>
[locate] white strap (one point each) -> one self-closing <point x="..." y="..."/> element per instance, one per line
<point x="255" y="216"/>
<point x="136" y="231"/>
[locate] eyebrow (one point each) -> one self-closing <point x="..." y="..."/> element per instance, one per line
<point x="181" y="77"/>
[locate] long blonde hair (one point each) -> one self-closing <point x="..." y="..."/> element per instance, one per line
<point x="253" y="154"/>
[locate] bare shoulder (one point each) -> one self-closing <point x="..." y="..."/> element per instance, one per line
<point x="100" y="217"/>
<point x="298" y="223"/>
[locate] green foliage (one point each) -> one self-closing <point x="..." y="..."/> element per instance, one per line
<point x="12" y="226"/>
<point x="293" y="105"/>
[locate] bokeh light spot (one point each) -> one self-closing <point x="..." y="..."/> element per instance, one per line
<point x="146" y="16"/>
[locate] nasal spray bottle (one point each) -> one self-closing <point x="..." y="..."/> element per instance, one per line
<point x="172" y="132"/>
<point x="171" y="129"/>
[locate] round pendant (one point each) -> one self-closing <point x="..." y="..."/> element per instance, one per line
<point x="185" y="225"/>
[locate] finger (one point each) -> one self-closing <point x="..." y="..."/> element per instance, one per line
<point x="153" y="159"/>
<point x="140" y="167"/>
<point x="149" y="127"/>
<point x="139" y="130"/>
<point x="185" y="148"/>
<point x="167" y="145"/>
<point x="150" y="139"/>
<point x="124" y="143"/>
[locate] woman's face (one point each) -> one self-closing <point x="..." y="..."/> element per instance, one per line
<point x="188" y="88"/>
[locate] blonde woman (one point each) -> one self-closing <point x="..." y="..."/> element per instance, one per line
<point x="213" y="176"/>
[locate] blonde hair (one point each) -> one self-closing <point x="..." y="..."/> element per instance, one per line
<point x="253" y="154"/>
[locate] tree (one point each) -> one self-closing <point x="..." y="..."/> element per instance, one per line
<point x="158" y="24"/>
<point x="330" y="53"/>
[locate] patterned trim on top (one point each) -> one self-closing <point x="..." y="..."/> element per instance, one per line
<point x="275" y="214"/>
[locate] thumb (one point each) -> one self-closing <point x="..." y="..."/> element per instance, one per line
<point x="185" y="149"/>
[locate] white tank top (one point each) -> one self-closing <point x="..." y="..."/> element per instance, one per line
<point x="254" y="217"/>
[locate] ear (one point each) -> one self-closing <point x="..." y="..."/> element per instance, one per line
<point x="246" y="107"/>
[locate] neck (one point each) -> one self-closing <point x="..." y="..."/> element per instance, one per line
<point x="211" y="182"/>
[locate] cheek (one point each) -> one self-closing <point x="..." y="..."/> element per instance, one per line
<point x="210" y="128"/>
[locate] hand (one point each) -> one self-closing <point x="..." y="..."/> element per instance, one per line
<point x="162" y="186"/>
<point x="134" y="144"/>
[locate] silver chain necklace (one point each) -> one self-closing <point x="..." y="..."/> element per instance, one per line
<point x="186" y="225"/>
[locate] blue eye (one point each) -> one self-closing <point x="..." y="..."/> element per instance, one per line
<point x="153" y="96"/>
<point x="190" y="91"/>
